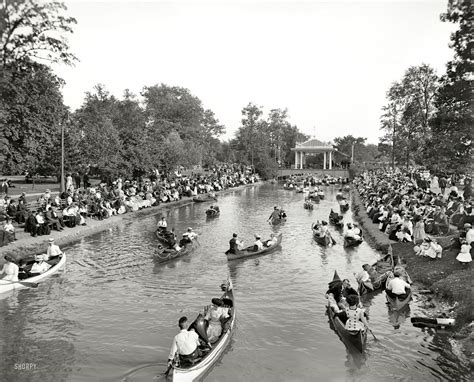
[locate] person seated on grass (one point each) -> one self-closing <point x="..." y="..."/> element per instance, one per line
<point x="464" y="256"/>
<point x="429" y="248"/>
<point x="8" y="231"/>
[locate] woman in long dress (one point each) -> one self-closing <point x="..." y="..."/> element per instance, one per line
<point x="214" y="314"/>
<point x="419" y="231"/>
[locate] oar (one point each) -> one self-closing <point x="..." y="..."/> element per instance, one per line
<point x="166" y="373"/>
<point x="371" y="332"/>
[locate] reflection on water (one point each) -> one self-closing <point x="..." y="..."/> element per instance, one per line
<point x="113" y="315"/>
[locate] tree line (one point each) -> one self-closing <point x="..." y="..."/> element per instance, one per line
<point x="163" y="127"/>
<point x="427" y="120"/>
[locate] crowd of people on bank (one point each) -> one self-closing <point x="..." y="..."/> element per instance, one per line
<point x="113" y="197"/>
<point x="407" y="209"/>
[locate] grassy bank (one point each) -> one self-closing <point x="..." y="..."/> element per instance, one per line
<point x="448" y="280"/>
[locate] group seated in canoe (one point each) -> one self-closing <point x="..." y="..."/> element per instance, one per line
<point x="236" y="245"/>
<point x="215" y="208"/>
<point x="336" y="219"/>
<point x="277" y="214"/>
<point x="352" y="231"/>
<point x="374" y="277"/>
<point x="321" y="230"/>
<point x="19" y="270"/>
<point x="196" y="339"/>
<point x="345" y="302"/>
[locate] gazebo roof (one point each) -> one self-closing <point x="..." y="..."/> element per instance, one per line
<point x="313" y="145"/>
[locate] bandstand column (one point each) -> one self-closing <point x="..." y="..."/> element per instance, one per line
<point x="301" y="160"/>
<point x="324" y="161"/>
<point x="330" y="160"/>
<point x="296" y="159"/>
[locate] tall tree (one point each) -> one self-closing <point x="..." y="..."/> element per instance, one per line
<point x="450" y="146"/>
<point x="100" y="143"/>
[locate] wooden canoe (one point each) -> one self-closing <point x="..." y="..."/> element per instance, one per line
<point x="206" y="198"/>
<point x="165" y="254"/>
<point x="6" y="286"/>
<point x="248" y="252"/>
<point x="277" y="221"/>
<point x="325" y="240"/>
<point x="439" y="322"/>
<point x="397" y="304"/>
<point x="203" y="365"/>
<point x="163" y="238"/>
<point x="352" y="339"/>
<point x="211" y="213"/>
<point x="351" y="242"/>
<point x="344" y="208"/>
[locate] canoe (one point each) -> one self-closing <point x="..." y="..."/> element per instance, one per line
<point x="165" y="254"/>
<point x="383" y="269"/>
<point x="336" y="220"/>
<point x="203" y="365"/>
<point x="351" y="242"/>
<point x="308" y="205"/>
<point x="6" y="286"/>
<point x="248" y="252"/>
<point x="397" y="304"/>
<point x="202" y="199"/>
<point x="321" y="195"/>
<point x="325" y="241"/>
<point x="210" y="213"/>
<point x="277" y="221"/>
<point x="439" y="322"/>
<point x="163" y="238"/>
<point x="352" y="339"/>
<point x="344" y="208"/>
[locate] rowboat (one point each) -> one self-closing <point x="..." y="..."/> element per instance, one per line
<point x="351" y="242"/>
<point x="6" y="286"/>
<point x="325" y="240"/>
<point x="210" y="213"/>
<point x="352" y="339"/>
<point x="248" y="252"/>
<point x="162" y="254"/>
<point x="206" y="198"/>
<point x="204" y="364"/>
<point x="396" y="303"/>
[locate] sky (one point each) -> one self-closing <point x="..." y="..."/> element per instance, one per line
<point x="330" y="63"/>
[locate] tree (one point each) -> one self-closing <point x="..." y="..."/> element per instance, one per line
<point x="407" y="115"/>
<point x="32" y="110"/>
<point x="32" y="30"/>
<point x="100" y="143"/>
<point x="449" y="148"/>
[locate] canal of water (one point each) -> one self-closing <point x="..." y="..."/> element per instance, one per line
<point x="112" y="314"/>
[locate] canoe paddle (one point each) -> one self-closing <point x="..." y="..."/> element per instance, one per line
<point x="27" y="284"/>
<point x="371" y="332"/>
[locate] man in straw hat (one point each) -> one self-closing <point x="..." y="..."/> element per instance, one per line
<point x="53" y="250"/>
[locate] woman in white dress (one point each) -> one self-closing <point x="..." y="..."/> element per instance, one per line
<point x="213" y="314"/>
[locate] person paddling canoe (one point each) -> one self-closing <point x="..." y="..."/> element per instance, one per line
<point x="185" y="344"/>
<point x="275" y="215"/>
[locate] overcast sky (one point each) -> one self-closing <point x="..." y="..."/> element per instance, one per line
<point x="329" y="62"/>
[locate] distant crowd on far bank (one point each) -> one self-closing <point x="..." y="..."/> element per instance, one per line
<point x="113" y="197"/>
